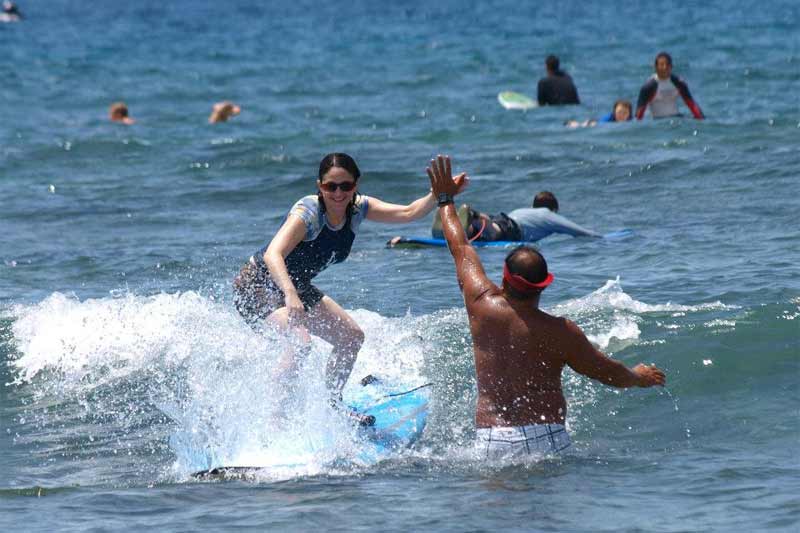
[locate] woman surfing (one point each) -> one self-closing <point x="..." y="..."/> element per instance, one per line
<point x="275" y="285"/>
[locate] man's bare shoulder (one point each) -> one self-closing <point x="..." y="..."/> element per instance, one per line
<point x="573" y="332"/>
<point x="490" y="297"/>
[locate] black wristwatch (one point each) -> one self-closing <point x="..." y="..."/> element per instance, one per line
<point x="443" y="199"/>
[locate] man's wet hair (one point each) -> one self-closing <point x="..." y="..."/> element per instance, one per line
<point x="665" y="56"/>
<point x="552" y="63"/>
<point x="527" y="262"/>
<point x="546" y="199"/>
<point x="119" y="109"/>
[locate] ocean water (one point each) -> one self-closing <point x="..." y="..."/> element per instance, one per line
<point x="120" y="349"/>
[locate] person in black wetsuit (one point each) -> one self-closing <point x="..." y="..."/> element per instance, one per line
<point x="660" y="92"/>
<point x="557" y="87"/>
<point x="276" y="282"/>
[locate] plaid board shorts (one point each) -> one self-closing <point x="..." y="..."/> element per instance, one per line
<point x="519" y="442"/>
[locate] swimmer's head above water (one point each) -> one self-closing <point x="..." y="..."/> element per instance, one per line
<point x="337" y="183"/>
<point x="525" y="273"/>
<point x="10" y="8"/>
<point x="623" y="110"/>
<point x="118" y="112"/>
<point x="546" y="199"/>
<point x="552" y="64"/>
<point x="222" y="111"/>
<point x="663" y="65"/>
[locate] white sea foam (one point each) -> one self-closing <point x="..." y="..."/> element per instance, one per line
<point x="611" y="296"/>
<point x="610" y="317"/>
<point x="208" y="372"/>
<point x="215" y="377"/>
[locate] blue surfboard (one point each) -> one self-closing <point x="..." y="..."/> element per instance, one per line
<point x="400" y="411"/>
<point x="400" y="415"/>
<point x="412" y="242"/>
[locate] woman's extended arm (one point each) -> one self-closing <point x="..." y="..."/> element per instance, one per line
<point x="380" y="211"/>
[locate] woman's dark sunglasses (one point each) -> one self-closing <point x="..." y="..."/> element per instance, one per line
<point x="330" y="186"/>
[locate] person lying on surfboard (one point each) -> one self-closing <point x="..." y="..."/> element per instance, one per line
<point x="275" y="284"/>
<point x="520" y="351"/>
<point x="621" y="112"/>
<point x="526" y="224"/>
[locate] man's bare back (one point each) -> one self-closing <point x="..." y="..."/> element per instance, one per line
<point x="520" y="351"/>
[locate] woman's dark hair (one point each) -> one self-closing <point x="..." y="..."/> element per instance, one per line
<point x="665" y="56"/>
<point x="340" y="160"/>
<point x="624" y="103"/>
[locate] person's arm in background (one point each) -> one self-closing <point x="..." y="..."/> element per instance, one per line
<point x="560" y="224"/>
<point x="646" y="94"/>
<point x="540" y="93"/>
<point x="683" y="90"/>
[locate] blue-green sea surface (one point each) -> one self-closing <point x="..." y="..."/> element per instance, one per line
<point x="124" y="365"/>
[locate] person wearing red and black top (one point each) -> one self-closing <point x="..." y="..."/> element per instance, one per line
<point x="661" y="92"/>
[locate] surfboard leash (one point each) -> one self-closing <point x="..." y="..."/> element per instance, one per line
<point x="409" y="391"/>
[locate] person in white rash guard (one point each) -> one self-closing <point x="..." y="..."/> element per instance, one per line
<point x="526" y="224"/>
<point x="660" y="92"/>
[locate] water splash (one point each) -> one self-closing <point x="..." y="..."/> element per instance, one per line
<point x="182" y="378"/>
<point x="194" y="360"/>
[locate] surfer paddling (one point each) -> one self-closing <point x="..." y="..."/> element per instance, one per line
<point x="527" y="224"/>
<point x="275" y="284"/>
<point x="520" y="351"/>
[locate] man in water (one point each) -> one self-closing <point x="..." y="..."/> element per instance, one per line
<point x="521" y="351"/>
<point x="222" y="111"/>
<point x="525" y="224"/>
<point x="661" y="92"/>
<point x="118" y="112"/>
<point x="557" y="87"/>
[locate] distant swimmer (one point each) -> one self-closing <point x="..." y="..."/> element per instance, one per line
<point x="661" y="92"/>
<point x="621" y="112"/>
<point x="520" y="351"/>
<point x="222" y="111"/>
<point x="275" y="284"/>
<point x="10" y="12"/>
<point x="118" y="112"/>
<point x="557" y="87"/>
<point x="525" y="224"/>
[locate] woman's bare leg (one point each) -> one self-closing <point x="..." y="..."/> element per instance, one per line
<point x="332" y="323"/>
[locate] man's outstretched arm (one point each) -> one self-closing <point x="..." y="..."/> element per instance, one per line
<point x="471" y="276"/>
<point x="585" y="359"/>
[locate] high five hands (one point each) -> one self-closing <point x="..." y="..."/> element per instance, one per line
<point x="440" y="173"/>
